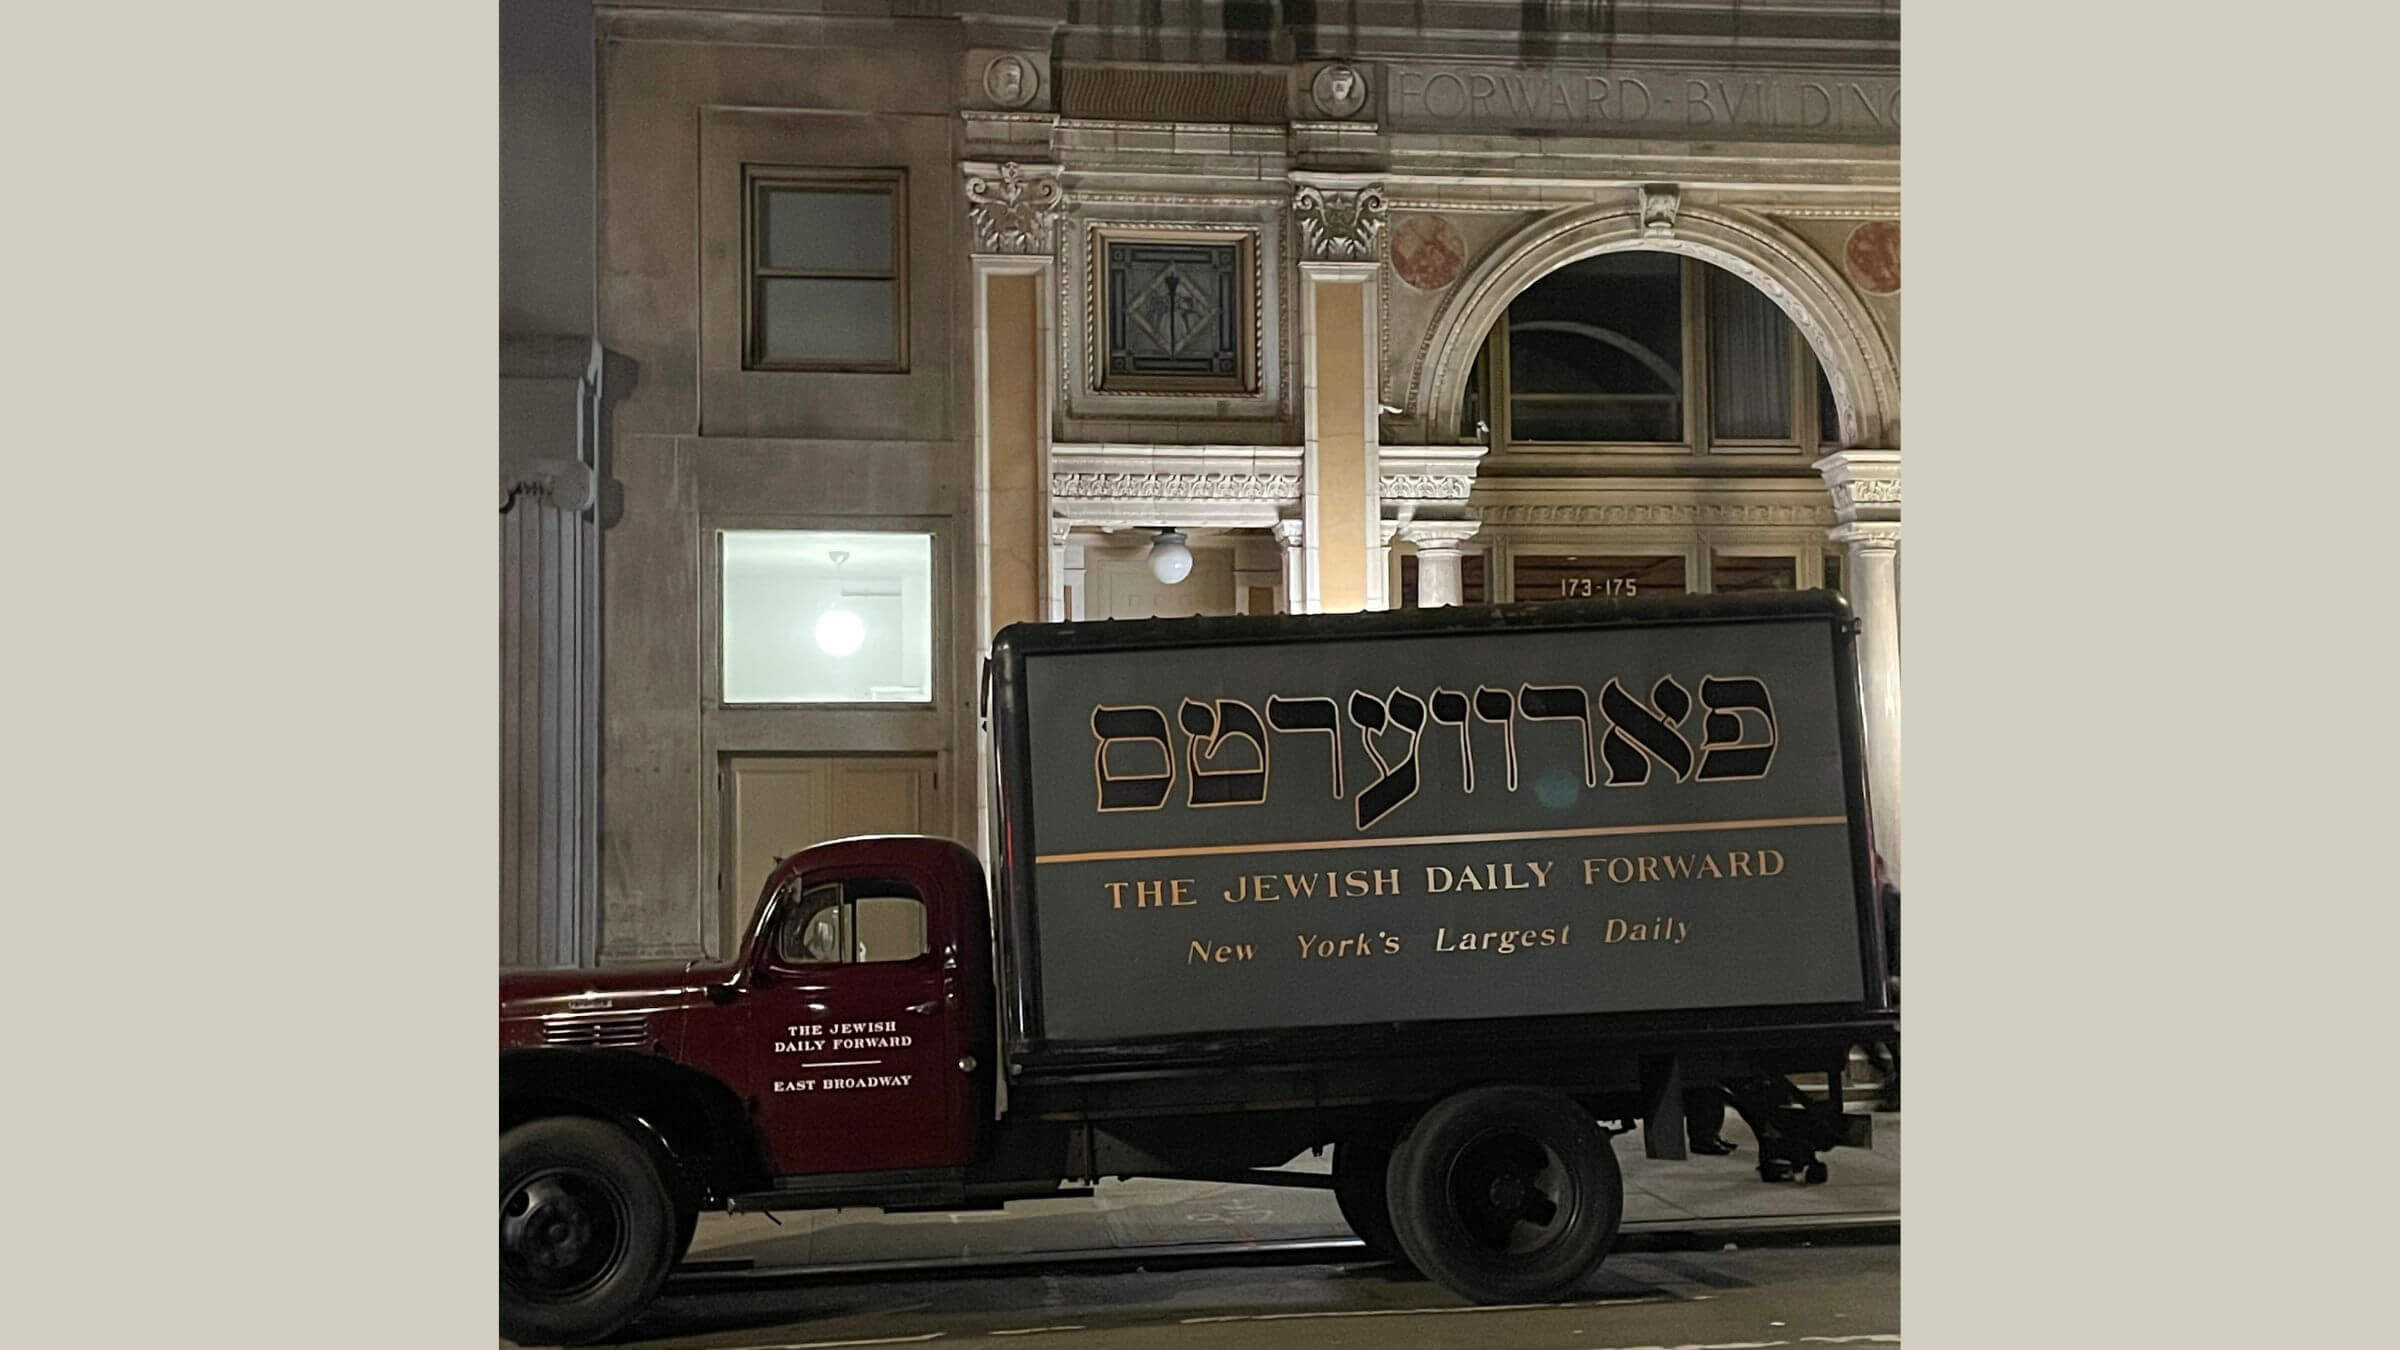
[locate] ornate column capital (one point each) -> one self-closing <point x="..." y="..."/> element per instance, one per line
<point x="1013" y="208"/>
<point x="1440" y="536"/>
<point x="1882" y="536"/>
<point x="1865" y="485"/>
<point x="1291" y="534"/>
<point x="1339" y="223"/>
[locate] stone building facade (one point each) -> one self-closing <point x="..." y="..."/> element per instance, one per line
<point x="911" y="320"/>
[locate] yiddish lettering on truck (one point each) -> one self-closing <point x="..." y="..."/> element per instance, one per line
<point x="1456" y="893"/>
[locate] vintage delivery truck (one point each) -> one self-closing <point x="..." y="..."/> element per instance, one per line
<point x="1456" y="893"/>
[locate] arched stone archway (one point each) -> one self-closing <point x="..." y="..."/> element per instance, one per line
<point x="1858" y="362"/>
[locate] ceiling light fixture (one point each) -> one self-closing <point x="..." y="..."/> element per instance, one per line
<point x="1170" y="557"/>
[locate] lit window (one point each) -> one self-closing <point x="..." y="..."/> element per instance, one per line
<point x="828" y="273"/>
<point x="819" y="616"/>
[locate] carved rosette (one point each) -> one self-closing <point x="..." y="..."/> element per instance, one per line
<point x="1014" y="212"/>
<point x="1337" y="226"/>
<point x="1211" y="487"/>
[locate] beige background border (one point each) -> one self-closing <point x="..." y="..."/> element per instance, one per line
<point x="253" y="556"/>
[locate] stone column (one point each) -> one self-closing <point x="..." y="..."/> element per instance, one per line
<point x="1439" y="543"/>
<point x="1292" y="537"/>
<point x="1866" y="502"/>
<point x="1341" y="225"/>
<point x="1013" y="211"/>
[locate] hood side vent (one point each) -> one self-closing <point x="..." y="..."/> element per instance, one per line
<point x="619" y="1029"/>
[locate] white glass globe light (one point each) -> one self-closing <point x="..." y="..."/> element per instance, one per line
<point x="1170" y="557"/>
<point x="840" y="632"/>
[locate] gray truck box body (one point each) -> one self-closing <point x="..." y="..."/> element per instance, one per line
<point x="1287" y="837"/>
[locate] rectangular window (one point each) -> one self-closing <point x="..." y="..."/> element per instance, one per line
<point x="852" y="923"/>
<point x="1751" y="362"/>
<point x="1732" y="573"/>
<point x="822" y="616"/>
<point x="1596" y="576"/>
<point x="828" y="271"/>
<point x="1833" y="570"/>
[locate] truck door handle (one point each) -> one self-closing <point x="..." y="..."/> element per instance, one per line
<point x="925" y="1009"/>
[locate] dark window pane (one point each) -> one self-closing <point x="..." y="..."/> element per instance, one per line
<point x="827" y="320"/>
<point x="1749" y="362"/>
<point x="1829" y="418"/>
<point x="1597" y="576"/>
<point x="1729" y="574"/>
<point x="825" y="231"/>
<point x="1833" y="571"/>
<point x="1595" y="352"/>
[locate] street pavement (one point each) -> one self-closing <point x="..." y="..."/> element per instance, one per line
<point x="1712" y="1256"/>
<point x="1128" y="1215"/>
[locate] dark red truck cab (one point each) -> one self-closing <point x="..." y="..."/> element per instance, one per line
<point x="1420" y="886"/>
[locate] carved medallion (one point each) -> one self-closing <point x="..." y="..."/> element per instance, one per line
<point x="1873" y="255"/>
<point x="1011" y="81"/>
<point x="1427" y="252"/>
<point x="1339" y="91"/>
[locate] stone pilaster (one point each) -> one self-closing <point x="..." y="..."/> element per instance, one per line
<point x="1866" y="502"/>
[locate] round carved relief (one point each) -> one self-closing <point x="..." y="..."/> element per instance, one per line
<point x="1427" y="252"/>
<point x="1011" y="81"/>
<point x="1873" y="255"/>
<point x="1339" y="91"/>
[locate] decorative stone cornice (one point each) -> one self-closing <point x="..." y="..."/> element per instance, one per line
<point x="1013" y="211"/>
<point x="1865" y="484"/>
<point x="1338" y="225"/>
<point x="1196" y="487"/>
<point x="1657" y="513"/>
<point x="1427" y="487"/>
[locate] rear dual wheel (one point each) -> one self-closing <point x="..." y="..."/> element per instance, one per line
<point x="1506" y="1194"/>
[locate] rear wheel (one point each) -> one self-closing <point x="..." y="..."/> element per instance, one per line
<point x="1359" y="1169"/>
<point x="587" y="1231"/>
<point x="1506" y="1194"/>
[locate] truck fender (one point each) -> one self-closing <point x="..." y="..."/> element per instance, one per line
<point x="692" y="1122"/>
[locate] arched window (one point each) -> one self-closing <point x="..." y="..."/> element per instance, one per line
<point x="1648" y="352"/>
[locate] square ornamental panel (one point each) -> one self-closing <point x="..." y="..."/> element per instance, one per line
<point x="823" y="616"/>
<point x="1177" y="313"/>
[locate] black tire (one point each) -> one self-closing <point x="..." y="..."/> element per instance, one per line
<point x="1506" y="1194"/>
<point x="687" y="1222"/>
<point x="1359" y="1171"/>
<point x="587" y="1231"/>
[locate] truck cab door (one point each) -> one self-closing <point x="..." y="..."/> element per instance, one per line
<point x="855" y="1028"/>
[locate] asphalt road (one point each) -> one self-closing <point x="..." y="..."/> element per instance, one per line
<point x="1835" y="1288"/>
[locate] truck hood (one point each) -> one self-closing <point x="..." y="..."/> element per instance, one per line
<point x="632" y="989"/>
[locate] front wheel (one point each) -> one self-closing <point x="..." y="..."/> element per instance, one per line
<point x="587" y="1231"/>
<point x="1506" y="1194"/>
